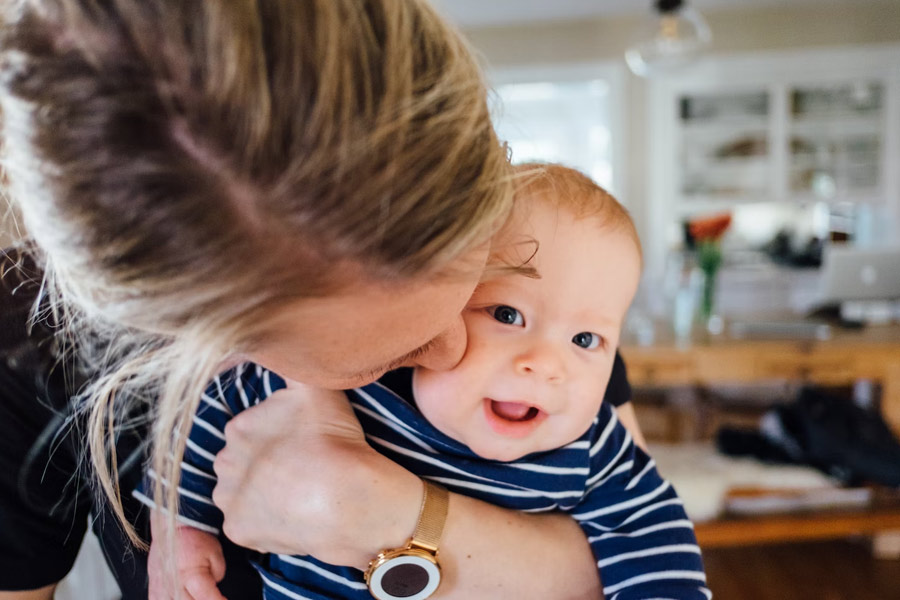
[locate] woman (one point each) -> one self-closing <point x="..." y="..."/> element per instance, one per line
<point x="310" y="185"/>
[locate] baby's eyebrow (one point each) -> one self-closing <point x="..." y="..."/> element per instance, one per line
<point x="498" y="269"/>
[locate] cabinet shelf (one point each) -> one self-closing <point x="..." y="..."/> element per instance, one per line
<point x="716" y="126"/>
<point x="820" y="127"/>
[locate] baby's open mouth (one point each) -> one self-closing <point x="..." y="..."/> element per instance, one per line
<point x="514" y="411"/>
<point x="513" y="419"/>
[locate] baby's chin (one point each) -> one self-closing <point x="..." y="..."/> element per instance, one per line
<point x="501" y="452"/>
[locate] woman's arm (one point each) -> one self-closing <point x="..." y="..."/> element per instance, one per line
<point x="45" y="593"/>
<point x="626" y="415"/>
<point x="491" y="552"/>
<point x="305" y="444"/>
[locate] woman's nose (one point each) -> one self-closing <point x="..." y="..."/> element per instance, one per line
<point x="544" y="361"/>
<point x="447" y="349"/>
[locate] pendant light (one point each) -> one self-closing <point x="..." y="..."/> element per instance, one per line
<point x="672" y="38"/>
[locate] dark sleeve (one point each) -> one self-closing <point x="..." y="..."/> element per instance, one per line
<point x="43" y="504"/>
<point x="618" y="390"/>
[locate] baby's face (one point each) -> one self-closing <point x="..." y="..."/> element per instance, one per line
<point x="540" y="351"/>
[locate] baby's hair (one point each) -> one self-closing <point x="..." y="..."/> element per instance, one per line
<point x="185" y="169"/>
<point x="569" y="189"/>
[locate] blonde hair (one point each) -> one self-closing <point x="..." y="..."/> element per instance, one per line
<point x="571" y="190"/>
<point x="184" y="168"/>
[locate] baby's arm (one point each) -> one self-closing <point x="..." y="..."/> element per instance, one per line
<point x="642" y="539"/>
<point x="199" y="562"/>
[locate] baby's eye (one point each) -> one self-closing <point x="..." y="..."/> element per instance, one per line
<point x="508" y="315"/>
<point x="586" y="340"/>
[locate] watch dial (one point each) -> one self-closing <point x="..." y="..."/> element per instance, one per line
<point x="403" y="581"/>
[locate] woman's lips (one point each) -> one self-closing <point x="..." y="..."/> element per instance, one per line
<point x="512" y="419"/>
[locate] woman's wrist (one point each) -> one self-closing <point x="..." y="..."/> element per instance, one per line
<point x="394" y="500"/>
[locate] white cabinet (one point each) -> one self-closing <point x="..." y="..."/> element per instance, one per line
<point x="782" y="129"/>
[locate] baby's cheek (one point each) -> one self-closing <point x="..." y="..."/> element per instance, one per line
<point x="432" y="391"/>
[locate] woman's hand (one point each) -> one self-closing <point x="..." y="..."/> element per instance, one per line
<point x="296" y="476"/>
<point x="198" y="561"/>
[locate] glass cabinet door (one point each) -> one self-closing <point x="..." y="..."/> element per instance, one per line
<point x="836" y="137"/>
<point x="725" y="146"/>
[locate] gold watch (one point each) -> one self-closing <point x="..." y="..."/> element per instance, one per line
<point x="412" y="572"/>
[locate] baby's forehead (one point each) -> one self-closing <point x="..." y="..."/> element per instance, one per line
<point x="537" y="216"/>
<point x="517" y="251"/>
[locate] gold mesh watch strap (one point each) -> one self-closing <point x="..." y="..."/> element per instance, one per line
<point x="432" y="516"/>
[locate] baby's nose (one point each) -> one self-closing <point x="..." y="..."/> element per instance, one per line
<point x="544" y="361"/>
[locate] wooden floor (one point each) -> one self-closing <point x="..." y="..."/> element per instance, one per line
<point x="833" y="570"/>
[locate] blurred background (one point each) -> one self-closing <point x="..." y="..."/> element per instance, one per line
<point x="756" y="143"/>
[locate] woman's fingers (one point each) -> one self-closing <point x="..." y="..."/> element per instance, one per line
<point x="201" y="585"/>
<point x="217" y="564"/>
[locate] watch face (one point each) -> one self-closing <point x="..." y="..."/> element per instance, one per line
<point x="407" y="577"/>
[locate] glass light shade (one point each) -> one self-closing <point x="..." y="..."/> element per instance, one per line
<point x="668" y="41"/>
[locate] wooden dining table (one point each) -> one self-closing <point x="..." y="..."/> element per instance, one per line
<point x="842" y="357"/>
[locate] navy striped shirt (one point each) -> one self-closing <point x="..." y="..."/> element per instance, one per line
<point x="643" y="542"/>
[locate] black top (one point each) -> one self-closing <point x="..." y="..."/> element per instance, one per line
<point x="45" y="497"/>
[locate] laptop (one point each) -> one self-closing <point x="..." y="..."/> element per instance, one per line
<point x="853" y="273"/>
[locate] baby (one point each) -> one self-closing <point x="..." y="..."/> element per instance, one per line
<point x="520" y="422"/>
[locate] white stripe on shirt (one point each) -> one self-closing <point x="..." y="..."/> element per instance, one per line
<point x="305" y="564"/>
<point x="208" y="427"/>
<point x="676" y="524"/>
<point x="648" y="552"/>
<point x="280" y="588"/>
<point x="692" y="575"/>
<point x="603" y="436"/>
<point x="216" y="404"/>
<point x="638" y="514"/>
<point x="623" y="505"/>
<point x="392" y="425"/>
<point x="147" y="501"/>
<point x="651" y="464"/>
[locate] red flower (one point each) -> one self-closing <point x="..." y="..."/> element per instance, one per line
<point x="709" y="228"/>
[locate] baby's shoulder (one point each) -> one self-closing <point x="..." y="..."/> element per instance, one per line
<point x="242" y="386"/>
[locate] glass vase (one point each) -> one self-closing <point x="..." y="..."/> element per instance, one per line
<point x="709" y="259"/>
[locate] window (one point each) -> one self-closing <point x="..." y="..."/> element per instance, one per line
<point x="564" y="115"/>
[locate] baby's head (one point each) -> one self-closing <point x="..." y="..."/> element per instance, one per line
<point x="542" y="337"/>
